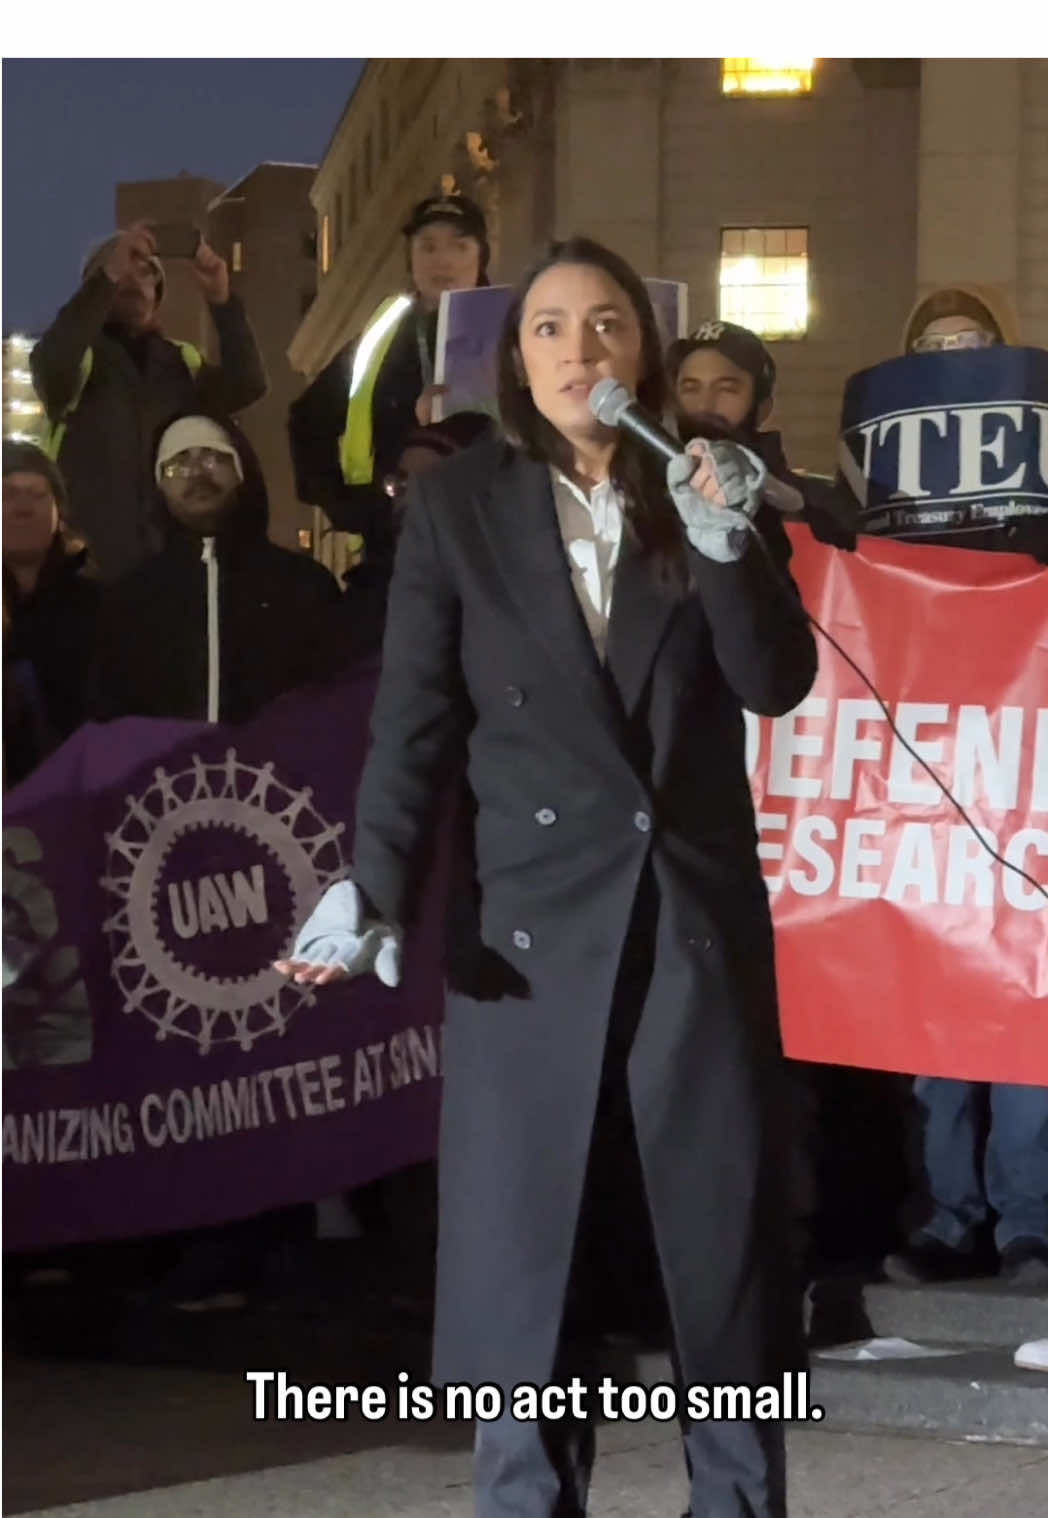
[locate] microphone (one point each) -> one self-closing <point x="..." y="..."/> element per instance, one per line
<point x="613" y="406"/>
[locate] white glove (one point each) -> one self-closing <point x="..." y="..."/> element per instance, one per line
<point x="715" y="515"/>
<point x="338" y="937"/>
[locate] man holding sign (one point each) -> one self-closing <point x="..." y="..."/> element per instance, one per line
<point x="949" y="445"/>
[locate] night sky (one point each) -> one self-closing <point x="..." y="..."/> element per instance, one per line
<point x="73" y="128"/>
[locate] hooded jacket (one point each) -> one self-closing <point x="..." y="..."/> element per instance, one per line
<point x="48" y="638"/>
<point x="994" y="302"/>
<point x="137" y="384"/>
<point x="214" y="628"/>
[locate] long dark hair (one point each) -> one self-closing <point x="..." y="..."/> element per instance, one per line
<point x="650" y="514"/>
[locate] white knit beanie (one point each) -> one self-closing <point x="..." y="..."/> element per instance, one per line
<point x="195" y="432"/>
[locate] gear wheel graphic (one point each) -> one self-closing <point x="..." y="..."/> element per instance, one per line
<point x="227" y="796"/>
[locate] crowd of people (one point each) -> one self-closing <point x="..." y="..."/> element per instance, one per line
<point x="139" y="579"/>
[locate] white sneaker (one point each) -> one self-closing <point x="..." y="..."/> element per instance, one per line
<point x="1032" y="1356"/>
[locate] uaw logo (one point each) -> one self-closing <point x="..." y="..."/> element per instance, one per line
<point x="210" y="872"/>
<point x="947" y="440"/>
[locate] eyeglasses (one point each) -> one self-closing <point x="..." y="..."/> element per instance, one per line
<point x="943" y="342"/>
<point x="195" y="461"/>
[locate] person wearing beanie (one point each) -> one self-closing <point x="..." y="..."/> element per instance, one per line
<point x="109" y="379"/>
<point x="722" y="384"/>
<point x="50" y="606"/>
<point x="200" y="630"/>
<point x="347" y="429"/>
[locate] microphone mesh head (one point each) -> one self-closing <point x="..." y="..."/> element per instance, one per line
<point x="608" y="400"/>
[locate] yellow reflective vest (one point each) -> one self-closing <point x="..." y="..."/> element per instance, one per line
<point x="52" y="441"/>
<point x="357" y="443"/>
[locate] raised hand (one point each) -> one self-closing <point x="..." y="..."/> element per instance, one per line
<point x="212" y="274"/>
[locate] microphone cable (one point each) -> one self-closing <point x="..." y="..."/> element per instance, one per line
<point x="791" y="591"/>
<point x="614" y="406"/>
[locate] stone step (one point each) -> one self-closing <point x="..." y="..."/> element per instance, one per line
<point x="843" y="1310"/>
<point x="975" y="1392"/>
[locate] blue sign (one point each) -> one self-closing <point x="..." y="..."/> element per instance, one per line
<point x="951" y="446"/>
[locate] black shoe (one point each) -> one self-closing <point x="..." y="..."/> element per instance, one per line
<point x="1024" y="1262"/>
<point x="927" y="1260"/>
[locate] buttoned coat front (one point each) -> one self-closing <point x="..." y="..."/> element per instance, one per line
<point x="577" y="777"/>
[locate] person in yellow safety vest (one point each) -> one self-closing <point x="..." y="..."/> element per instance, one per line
<point x="109" y="380"/>
<point x="348" y="428"/>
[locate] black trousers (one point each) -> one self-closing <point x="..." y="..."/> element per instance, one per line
<point x="543" y="1469"/>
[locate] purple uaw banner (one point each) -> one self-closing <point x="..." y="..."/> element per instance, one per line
<point x="468" y="328"/>
<point x="158" y="1074"/>
<point x="947" y="443"/>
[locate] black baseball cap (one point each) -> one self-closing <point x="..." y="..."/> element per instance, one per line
<point x="739" y="344"/>
<point x="457" y="210"/>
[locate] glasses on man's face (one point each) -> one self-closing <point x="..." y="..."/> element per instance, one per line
<point x="944" y="342"/>
<point x="194" y="461"/>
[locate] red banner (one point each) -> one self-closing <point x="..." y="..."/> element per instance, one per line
<point x="901" y="943"/>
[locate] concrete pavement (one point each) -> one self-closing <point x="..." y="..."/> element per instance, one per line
<point x="638" y="1475"/>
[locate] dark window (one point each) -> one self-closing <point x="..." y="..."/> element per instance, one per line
<point x="354" y="198"/>
<point x="369" y="166"/>
<point x="338" y="221"/>
<point x="383" y="131"/>
<point x="306" y="299"/>
<point x="309" y="247"/>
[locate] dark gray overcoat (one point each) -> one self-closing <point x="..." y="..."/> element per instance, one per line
<point x="577" y="776"/>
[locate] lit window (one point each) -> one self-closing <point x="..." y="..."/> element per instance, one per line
<point x="325" y="244"/>
<point x="238" y="257"/>
<point x="764" y="279"/>
<point x="305" y="539"/>
<point x="766" y="76"/>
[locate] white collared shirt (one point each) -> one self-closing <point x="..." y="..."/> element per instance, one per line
<point x="591" y="529"/>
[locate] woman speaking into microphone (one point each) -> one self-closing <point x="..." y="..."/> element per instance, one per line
<point x="575" y="627"/>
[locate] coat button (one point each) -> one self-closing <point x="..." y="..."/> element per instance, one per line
<point x="521" y="939"/>
<point x="514" y="695"/>
<point x="642" y="822"/>
<point x="546" y="818"/>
